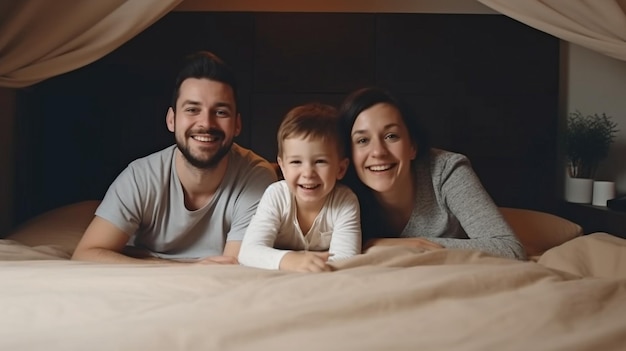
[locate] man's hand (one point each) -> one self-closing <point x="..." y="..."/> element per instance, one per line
<point x="218" y="260"/>
<point x="409" y="242"/>
<point x="305" y="261"/>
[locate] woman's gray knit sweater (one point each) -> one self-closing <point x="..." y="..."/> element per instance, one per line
<point x="454" y="210"/>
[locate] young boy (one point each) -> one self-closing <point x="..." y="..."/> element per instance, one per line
<point x="307" y="219"/>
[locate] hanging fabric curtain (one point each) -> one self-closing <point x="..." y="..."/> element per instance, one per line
<point x="41" y="38"/>
<point x="598" y="25"/>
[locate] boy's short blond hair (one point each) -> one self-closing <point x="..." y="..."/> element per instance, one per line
<point x="312" y="120"/>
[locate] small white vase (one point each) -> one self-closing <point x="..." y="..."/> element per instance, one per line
<point x="578" y="190"/>
<point x="602" y="192"/>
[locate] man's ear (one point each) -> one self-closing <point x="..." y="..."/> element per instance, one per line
<point x="238" y="125"/>
<point x="343" y="168"/>
<point x="170" y="119"/>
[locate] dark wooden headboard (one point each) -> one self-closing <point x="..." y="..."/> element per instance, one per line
<point x="485" y="85"/>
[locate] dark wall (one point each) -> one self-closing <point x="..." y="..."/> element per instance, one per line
<point x="7" y="161"/>
<point x="485" y="85"/>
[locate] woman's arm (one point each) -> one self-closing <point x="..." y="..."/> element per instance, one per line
<point x="480" y="218"/>
<point x="409" y="242"/>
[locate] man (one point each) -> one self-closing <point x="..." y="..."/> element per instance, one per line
<point x="192" y="201"/>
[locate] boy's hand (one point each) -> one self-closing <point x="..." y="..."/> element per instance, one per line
<point x="305" y="261"/>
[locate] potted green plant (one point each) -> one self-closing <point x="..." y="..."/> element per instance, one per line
<point x="587" y="142"/>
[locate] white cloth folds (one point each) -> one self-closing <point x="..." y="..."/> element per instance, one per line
<point x="40" y="39"/>
<point x="598" y="25"/>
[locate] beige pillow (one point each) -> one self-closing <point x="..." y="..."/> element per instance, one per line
<point x="61" y="227"/>
<point x="539" y="231"/>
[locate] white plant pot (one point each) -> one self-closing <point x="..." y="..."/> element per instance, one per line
<point x="602" y="192"/>
<point x="578" y="190"/>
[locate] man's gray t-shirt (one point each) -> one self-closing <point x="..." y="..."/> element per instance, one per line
<point x="146" y="201"/>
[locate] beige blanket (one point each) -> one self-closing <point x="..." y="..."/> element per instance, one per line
<point x="572" y="298"/>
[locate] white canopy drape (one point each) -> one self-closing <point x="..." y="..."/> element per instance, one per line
<point x="42" y="38"/>
<point x="598" y="25"/>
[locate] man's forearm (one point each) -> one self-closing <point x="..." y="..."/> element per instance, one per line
<point x="109" y="256"/>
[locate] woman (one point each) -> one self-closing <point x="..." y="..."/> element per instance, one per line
<point x="412" y="194"/>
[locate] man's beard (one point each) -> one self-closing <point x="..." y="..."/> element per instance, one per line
<point x="209" y="163"/>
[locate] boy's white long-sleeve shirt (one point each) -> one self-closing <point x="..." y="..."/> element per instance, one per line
<point x="274" y="230"/>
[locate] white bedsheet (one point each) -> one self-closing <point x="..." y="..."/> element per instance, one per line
<point x="573" y="298"/>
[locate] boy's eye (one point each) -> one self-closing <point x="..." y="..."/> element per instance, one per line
<point x="294" y="162"/>
<point x="320" y="161"/>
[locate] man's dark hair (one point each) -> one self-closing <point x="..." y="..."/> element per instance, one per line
<point x="207" y="65"/>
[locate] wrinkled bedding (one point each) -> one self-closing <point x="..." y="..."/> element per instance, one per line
<point x="573" y="297"/>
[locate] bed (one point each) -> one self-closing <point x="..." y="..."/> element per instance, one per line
<point x="570" y="295"/>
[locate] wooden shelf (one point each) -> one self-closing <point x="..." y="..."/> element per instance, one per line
<point x="595" y="218"/>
